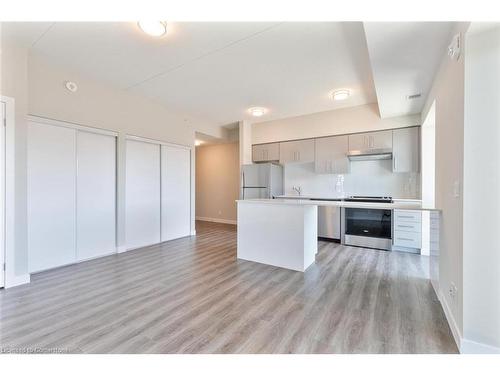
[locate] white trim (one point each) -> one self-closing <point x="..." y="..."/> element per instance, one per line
<point x="473" y="347"/>
<point x="71" y="125"/>
<point x="10" y="197"/>
<point x="121" y="249"/>
<point x="216" y="220"/>
<point x="155" y="141"/>
<point x="451" y="320"/>
<point x="14" y="280"/>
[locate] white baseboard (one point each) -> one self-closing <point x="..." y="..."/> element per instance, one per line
<point x="451" y="321"/>
<point x="13" y="280"/>
<point x="121" y="249"/>
<point x="216" y="220"/>
<point x="473" y="347"/>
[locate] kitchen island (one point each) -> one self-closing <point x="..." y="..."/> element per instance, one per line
<point x="283" y="232"/>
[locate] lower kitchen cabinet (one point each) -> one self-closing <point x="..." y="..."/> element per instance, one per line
<point x="407" y="231"/>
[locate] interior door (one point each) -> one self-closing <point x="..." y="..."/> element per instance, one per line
<point x="51" y="196"/>
<point x="96" y="195"/>
<point x="142" y="194"/>
<point x="2" y="193"/>
<point x="176" y="192"/>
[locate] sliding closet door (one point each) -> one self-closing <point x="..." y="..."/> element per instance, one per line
<point x="142" y="187"/>
<point x="51" y="196"/>
<point x="96" y="195"/>
<point x="176" y="193"/>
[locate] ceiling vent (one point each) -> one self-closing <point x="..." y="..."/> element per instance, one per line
<point x="414" y="96"/>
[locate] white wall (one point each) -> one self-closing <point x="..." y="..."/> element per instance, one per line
<point x="382" y="182"/>
<point x="341" y="121"/>
<point x="448" y="93"/>
<point x="481" y="248"/>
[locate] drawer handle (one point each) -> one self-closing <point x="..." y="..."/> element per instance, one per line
<point x="405" y="239"/>
<point x="405" y="226"/>
<point x="406" y="217"/>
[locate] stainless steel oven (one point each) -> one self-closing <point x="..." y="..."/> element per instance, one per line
<point x="367" y="227"/>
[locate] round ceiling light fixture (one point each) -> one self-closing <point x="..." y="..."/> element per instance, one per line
<point x="71" y="86"/>
<point x="153" y="28"/>
<point x="340" y="94"/>
<point x="257" y="111"/>
<point x="198" y="142"/>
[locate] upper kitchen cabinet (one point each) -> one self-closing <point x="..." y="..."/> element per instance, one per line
<point x="297" y="151"/>
<point x="331" y="155"/>
<point x="405" y="150"/>
<point x="370" y="141"/>
<point x="266" y="152"/>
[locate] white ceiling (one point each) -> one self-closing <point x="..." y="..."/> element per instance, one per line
<point x="404" y="58"/>
<point x="216" y="71"/>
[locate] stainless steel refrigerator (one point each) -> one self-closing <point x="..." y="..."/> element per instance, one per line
<point x="263" y="181"/>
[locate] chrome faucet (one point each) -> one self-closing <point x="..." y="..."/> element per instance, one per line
<point x="297" y="189"/>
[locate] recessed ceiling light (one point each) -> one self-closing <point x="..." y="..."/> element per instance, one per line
<point x="197" y="143"/>
<point x="153" y="28"/>
<point x="340" y="94"/>
<point x="257" y="111"/>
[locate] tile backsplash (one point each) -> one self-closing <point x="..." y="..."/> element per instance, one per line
<point x="370" y="177"/>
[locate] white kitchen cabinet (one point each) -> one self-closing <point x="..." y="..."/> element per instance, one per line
<point x="370" y="141"/>
<point x="266" y="152"/>
<point x="330" y="155"/>
<point x="407" y="233"/>
<point x="297" y="151"/>
<point x="405" y="150"/>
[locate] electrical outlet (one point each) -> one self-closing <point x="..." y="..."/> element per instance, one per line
<point x="452" y="291"/>
<point x="220" y="212"/>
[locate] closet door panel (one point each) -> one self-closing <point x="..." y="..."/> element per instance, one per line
<point x="96" y="195"/>
<point x="176" y="193"/>
<point x="143" y="202"/>
<point x="51" y="196"/>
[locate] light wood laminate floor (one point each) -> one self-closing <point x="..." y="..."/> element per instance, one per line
<point x="193" y="296"/>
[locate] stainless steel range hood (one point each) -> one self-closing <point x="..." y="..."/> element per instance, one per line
<point x="373" y="154"/>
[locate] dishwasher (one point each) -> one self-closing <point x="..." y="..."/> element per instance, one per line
<point x="329" y="222"/>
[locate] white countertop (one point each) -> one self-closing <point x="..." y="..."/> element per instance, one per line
<point x="396" y="205"/>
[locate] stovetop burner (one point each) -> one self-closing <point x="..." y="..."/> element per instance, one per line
<point x="360" y="198"/>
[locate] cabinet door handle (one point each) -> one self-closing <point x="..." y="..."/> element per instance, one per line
<point x="394" y="158"/>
